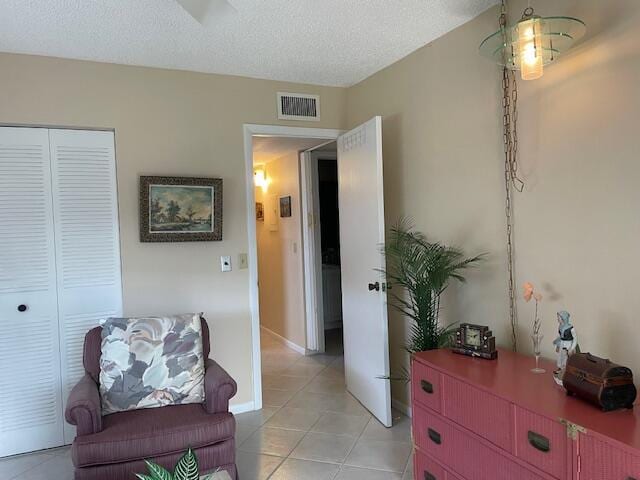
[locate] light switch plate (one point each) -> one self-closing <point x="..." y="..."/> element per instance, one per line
<point x="225" y="263"/>
<point x="243" y="261"/>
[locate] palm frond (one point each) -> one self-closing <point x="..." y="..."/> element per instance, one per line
<point x="421" y="271"/>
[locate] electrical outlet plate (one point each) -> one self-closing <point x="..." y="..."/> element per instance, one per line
<point x="243" y="261"/>
<point x="225" y="263"/>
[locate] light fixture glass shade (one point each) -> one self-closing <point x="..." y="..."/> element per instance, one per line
<point x="530" y="48"/>
<point x="532" y="43"/>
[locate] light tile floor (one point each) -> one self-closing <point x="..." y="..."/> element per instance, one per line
<point x="310" y="428"/>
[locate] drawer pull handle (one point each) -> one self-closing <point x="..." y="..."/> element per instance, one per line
<point x="539" y="442"/>
<point x="631" y="478"/>
<point x="434" y="436"/>
<point x="426" y="386"/>
<point x="429" y="476"/>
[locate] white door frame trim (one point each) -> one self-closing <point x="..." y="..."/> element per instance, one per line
<point x="249" y="131"/>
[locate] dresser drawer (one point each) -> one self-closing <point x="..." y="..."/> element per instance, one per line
<point x="600" y="460"/>
<point x="433" y="435"/>
<point x="426" y="386"/>
<point x="542" y="442"/>
<point x="480" y="412"/>
<point x="463" y="454"/>
<point x="427" y="469"/>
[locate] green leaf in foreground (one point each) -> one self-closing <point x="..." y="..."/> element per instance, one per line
<point x="158" y="472"/>
<point x="187" y="467"/>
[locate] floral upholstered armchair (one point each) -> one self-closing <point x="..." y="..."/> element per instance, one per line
<point x="114" y="446"/>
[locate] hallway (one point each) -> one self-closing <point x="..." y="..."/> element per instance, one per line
<point x="311" y="428"/>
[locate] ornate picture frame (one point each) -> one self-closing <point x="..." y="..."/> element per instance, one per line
<point x="285" y="206"/>
<point x="180" y="209"/>
<point x="259" y="212"/>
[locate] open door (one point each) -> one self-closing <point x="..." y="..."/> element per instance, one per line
<point x="364" y="297"/>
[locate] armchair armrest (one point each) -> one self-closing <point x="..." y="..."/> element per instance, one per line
<point x="83" y="407"/>
<point x="219" y="387"/>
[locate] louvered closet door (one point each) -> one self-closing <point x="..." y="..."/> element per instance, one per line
<point x="87" y="242"/>
<point x="30" y="394"/>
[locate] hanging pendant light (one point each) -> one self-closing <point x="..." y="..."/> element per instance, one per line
<point x="532" y="43"/>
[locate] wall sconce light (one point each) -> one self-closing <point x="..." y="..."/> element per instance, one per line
<point x="260" y="178"/>
<point x="532" y="43"/>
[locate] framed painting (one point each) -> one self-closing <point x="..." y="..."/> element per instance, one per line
<point x="285" y="206"/>
<point x="259" y="212"/>
<point x="180" y="209"/>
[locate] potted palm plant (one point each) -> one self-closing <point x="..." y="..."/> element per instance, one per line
<point x="420" y="271"/>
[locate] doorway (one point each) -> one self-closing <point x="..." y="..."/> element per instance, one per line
<point x="281" y="245"/>
<point x="299" y="251"/>
<point x="330" y="248"/>
<point x="250" y="133"/>
<point x="322" y="248"/>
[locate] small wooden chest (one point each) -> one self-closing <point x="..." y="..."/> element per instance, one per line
<point x="599" y="381"/>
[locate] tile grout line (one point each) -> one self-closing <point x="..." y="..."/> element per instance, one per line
<point x="51" y="456"/>
<point x="284" y="459"/>
<point x="302" y="438"/>
<point x="321" y="414"/>
<point x="354" y="445"/>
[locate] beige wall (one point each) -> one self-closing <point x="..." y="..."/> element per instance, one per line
<point x="167" y="123"/>
<point x="280" y="263"/>
<point x="577" y="223"/>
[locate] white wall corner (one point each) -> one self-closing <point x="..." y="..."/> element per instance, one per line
<point x="401" y="407"/>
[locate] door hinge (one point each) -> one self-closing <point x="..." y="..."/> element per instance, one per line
<point x="572" y="429"/>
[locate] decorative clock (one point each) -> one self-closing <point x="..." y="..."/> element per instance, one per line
<point x="475" y="341"/>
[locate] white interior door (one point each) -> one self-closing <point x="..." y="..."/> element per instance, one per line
<point x="30" y="394"/>
<point x="364" y="306"/>
<point x="85" y="205"/>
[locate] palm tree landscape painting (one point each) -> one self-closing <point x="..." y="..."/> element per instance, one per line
<point x="175" y="209"/>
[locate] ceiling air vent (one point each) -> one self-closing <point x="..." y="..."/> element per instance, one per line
<point x="298" y="106"/>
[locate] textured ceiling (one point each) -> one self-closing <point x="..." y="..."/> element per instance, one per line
<point x="326" y="42"/>
<point x="266" y="149"/>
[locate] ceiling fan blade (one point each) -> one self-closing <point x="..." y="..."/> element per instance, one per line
<point x="206" y="11"/>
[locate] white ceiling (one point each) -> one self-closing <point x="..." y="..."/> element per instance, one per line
<point x="324" y="42"/>
<point x="266" y="149"/>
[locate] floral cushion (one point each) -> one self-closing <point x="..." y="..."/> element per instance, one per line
<point x="150" y="362"/>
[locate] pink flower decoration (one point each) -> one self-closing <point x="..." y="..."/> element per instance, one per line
<point x="527" y="291"/>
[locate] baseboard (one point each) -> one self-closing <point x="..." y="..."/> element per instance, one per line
<point x="401" y="407"/>
<point x="293" y="346"/>
<point x="242" y="407"/>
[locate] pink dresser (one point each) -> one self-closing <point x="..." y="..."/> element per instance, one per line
<point x="477" y="419"/>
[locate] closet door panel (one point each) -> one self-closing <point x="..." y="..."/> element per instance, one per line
<point x="30" y="395"/>
<point x="87" y="241"/>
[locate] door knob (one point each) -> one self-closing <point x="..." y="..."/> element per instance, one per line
<point x="22" y="308"/>
<point x="374" y="286"/>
